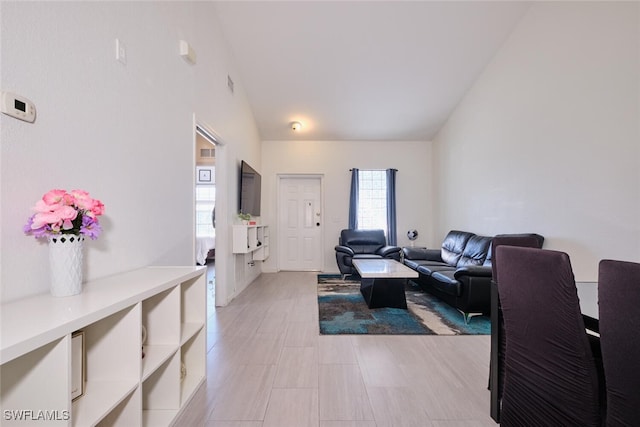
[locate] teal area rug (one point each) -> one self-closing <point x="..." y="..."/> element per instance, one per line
<point x="344" y="311"/>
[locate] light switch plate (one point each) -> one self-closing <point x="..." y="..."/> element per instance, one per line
<point x="121" y="52"/>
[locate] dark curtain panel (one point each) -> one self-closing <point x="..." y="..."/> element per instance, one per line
<point x="353" y="200"/>
<point x="392" y="235"/>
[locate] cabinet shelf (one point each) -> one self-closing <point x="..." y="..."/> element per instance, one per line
<point x="154" y="357"/>
<point x="251" y="239"/>
<point x="158" y="417"/>
<point x="192" y="356"/>
<point x="189" y="386"/>
<point x="100" y="398"/>
<point x="22" y="380"/>
<point x="189" y="330"/>
<point x="121" y="388"/>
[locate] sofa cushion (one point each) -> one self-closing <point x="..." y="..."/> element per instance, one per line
<point x="367" y="256"/>
<point x="364" y="247"/>
<point x="445" y="281"/>
<point x="348" y="261"/>
<point x="453" y="246"/>
<point x="421" y="253"/>
<point x="363" y="241"/>
<point x="428" y="270"/>
<point x="415" y="263"/>
<point x="476" y="251"/>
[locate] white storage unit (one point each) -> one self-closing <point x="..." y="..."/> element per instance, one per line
<point x="251" y="239"/>
<point x="122" y="387"/>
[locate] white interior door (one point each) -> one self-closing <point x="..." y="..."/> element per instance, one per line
<point x="300" y="223"/>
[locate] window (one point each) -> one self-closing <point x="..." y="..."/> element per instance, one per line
<point x="372" y="200"/>
<point x="205" y="201"/>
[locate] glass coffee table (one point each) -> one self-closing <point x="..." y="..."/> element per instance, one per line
<point x="383" y="282"/>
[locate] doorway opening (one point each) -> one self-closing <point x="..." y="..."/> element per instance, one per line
<point x="205" y="203"/>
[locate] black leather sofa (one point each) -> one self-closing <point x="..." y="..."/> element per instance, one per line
<point x="354" y="244"/>
<point x="458" y="273"/>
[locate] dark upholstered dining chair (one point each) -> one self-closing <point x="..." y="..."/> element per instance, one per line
<point x="618" y="301"/>
<point x="498" y="336"/>
<point x="551" y="377"/>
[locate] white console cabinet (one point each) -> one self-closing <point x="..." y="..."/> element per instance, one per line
<point x="251" y="239"/>
<point x="122" y="388"/>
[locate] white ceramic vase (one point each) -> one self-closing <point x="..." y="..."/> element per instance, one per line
<point x="65" y="260"/>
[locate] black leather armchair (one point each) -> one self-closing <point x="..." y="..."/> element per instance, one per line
<point x="362" y="244"/>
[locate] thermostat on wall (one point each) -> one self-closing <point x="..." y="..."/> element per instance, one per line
<point x="17" y="106"/>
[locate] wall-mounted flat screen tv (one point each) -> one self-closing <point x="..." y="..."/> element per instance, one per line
<point x="250" y="189"/>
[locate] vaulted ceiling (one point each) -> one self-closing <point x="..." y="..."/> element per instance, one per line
<point x="361" y="70"/>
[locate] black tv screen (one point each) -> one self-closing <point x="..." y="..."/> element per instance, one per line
<point x="250" y="188"/>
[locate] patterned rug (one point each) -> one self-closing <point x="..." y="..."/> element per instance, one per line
<point x="344" y="311"/>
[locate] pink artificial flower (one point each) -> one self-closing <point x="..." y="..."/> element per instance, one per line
<point x="68" y="213"/>
<point x="93" y="207"/>
<point x="97" y="208"/>
<point x="56" y="216"/>
<point x="54" y="197"/>
<point x="42" y="206"/>
<point x="82" y="199"/>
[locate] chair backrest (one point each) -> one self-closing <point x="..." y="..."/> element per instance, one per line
<point x="550" y="372"/>
<point x="619" y="318"/>
<point x="525" y="240"/>
<point x="363" y="241"/>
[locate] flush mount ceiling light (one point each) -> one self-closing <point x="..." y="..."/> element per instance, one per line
<point x="296" y="126"/>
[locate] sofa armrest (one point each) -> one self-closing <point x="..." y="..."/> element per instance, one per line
<point x="473" y="270"/>
<point x="385" y="251"/>
<point x="422" y="254"/>
<point x="475" y="295"/>
<point x="345" y="250"/>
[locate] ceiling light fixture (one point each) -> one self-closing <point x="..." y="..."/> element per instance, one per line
<point x="296" y="126"/>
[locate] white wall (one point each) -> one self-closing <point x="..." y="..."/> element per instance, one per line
<point x="548" y="138"/>
<point x="122" y="132"/>
<point x="332" y="160"/>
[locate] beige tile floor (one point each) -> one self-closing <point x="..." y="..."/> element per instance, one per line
<point x="268" y="366"/>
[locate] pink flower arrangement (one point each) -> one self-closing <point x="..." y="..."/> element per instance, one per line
<point x="62" y="212"/>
